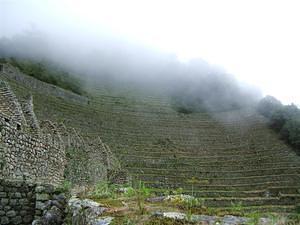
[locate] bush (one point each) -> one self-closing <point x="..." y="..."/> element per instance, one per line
<point x="65" y="187"/>
<point x="102" y="190"/>
<point x="48" y="73"/>
<point x="291" y="132"/>
<point x="268" y="105"/>
<point x="283" y="119"/>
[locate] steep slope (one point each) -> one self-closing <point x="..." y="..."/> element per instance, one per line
<point x="227" y="158"/>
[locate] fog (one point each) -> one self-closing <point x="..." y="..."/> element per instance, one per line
<point x="97" y="54"/>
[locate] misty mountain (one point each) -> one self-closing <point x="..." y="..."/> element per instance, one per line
<point x="192" y="86"/>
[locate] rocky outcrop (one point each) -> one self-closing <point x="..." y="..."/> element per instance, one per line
<point x="87" y="212"/>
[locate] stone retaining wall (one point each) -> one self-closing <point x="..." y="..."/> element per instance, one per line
<point x="26" y="151"/>
<point x="26" y="157"/>
<point x="17" y="205"/>
<point x="22" y="202"/>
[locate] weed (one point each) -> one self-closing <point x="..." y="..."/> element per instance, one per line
<point x="142" y="192"/>
<point x="254" y="218"/>
<point x="102" y="190"/>
<point x="237" y="207"/>
<point x="65" y="187"/>
<point x="130" y="192"/>
<point x="193" y="181"/>
<point x="123" y="221"/>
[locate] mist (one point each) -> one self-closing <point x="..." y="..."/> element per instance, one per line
<point x="193" y="85"/>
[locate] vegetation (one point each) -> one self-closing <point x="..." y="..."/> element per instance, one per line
<point x="65" y="187"/>
<point x="48" y="73"/>
<point x="166" y="149"/>
<point x="102" y="190"/>
<point x="124" y="203"/>
<point x="284" y="119"/>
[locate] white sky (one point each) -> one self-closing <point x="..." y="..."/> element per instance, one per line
<point x="256" y="40"/>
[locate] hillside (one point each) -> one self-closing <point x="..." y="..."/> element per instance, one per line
<point x="228" y="158"/>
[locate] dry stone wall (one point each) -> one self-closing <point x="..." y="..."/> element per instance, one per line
<point x="9" y="104"/>
<point x="28" y="158"/>
<point x="22" y="202"/>
<point x="88" y="160"/>
<point x="24" y="156"/>
<point x="33" y="159"/>
<point x="17" y="205"/>
<point x="30" y="116"/>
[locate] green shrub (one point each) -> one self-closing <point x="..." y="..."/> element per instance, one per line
<point x="65" y="187"/>
<point x="130" y="192"/>
<point x="47" y="72"/>
<point x="291" y="131"/>
<point x="102" y="190"/>
<point x="283" y="119"/>
<point x="268" y="105"/>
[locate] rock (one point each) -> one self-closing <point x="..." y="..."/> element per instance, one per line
<point x="232" y="220"/>
<point x="57" y="204"/>
<point x="18" y="195"/>
<point x="27" y="218"/>
<point x="4" y="220"/>
<point x="179" y="198"/>
<point x="156" y="199"/>
<point x="3" y="195"/>
<point x="102" y="221"/>
<point x="85" y="211"/>
<point x="203" y="219"/>
<point x="39" y="189"/>
<point x="61" y="198"/>
<point x="42" y="197"/>
<point x="174" y="215"/>
<point x="4" y="201"/>
<point x="54" y="216"/>
<point x="37" y="222"/>
<point x="11" y="213"/>
<point x="40" y="205"/>
<point x="17" y="220"/>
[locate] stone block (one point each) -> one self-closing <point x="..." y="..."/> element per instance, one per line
<point x="27" y="218"/>
<point x="4" y="201"/>
<point x="23" y="212"/>
<point x="7" y="208"/>
<point x="13" y="202"/>
<point x="23" y="201"/>
<point x="39" y="189"/>
<point x="42" y="197"/>
<point x="40" y="205"/>
<point x="18" y="195"/>
<point x="16" y="220"/>
<point x="4" y="220"/>
<point x="11" y="213"/>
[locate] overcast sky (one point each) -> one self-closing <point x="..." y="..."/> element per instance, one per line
<point x="257" y="40"/>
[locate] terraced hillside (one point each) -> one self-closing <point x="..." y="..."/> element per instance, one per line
<point x="228" y="158"/>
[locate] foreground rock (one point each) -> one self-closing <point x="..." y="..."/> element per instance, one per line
<point x="87" y="212"/>
<point x="53" y="210"/>
<point x="203" y="219"/>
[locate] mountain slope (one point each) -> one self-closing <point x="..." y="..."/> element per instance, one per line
<point x="226" y="157"/>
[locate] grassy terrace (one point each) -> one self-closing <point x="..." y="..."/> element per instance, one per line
<point x="231" y="157"/>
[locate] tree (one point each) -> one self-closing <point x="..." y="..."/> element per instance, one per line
<point x="268" y="105"/>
